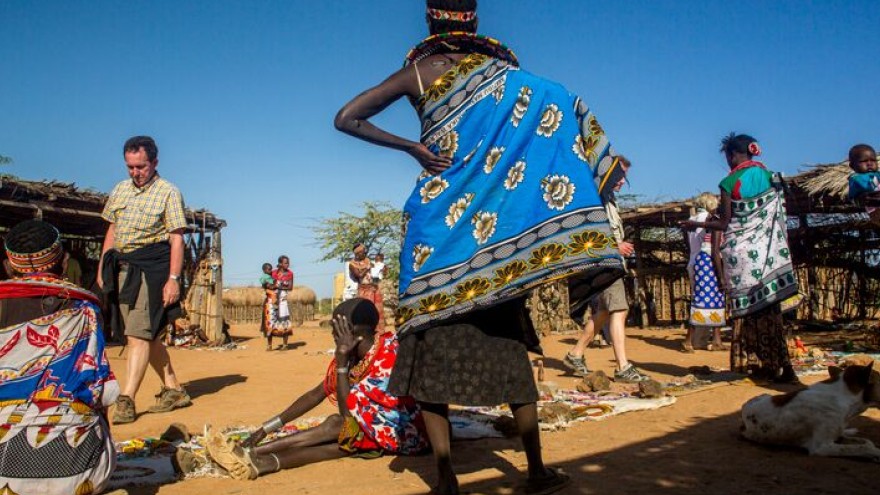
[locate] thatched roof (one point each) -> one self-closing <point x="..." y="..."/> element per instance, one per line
<point x="830" y="180"/>
<point x="74" y="211"/>
<point x="657" y="215"/>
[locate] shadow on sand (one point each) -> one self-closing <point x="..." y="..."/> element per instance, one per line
<point x="212" y="384"/>
<point x="707" y="457"/>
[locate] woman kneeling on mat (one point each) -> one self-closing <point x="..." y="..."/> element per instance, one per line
<point x="370" y="422"/>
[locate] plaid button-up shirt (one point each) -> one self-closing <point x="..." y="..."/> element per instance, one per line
<point x="144" y="215"/>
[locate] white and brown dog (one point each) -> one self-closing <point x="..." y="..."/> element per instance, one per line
<point x="815" y="418"/>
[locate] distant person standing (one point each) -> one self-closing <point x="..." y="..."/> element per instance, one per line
<point x="279" y="324"/>
<point x="362" y="269"/>
<point x="704" y="267"/>
<point x="142" y="261"/>
<point x="73" y="273"/>
<point x="267" y="283"/>
<point x="758" y="272"/>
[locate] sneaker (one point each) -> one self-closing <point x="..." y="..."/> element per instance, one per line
<point x="169" y="399"/>
<point x="630" y="374"/>
<point x="576" y="364"/>
<point x="125" y="411"/>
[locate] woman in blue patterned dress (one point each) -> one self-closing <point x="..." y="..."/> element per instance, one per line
<point x="705" y="272"/>
<point x="510" y="197"/>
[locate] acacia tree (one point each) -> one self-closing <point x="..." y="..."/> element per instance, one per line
<point x="378" y="227"/>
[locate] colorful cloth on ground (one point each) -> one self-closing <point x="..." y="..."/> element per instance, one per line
<point x="519" y="204"/>
<point x="55" y="381"/>
<point x="757" y="261"/>
<point x="389" y="423"/>
<point x="747" y="180"/>
<point x="707" y="308"/>
<point x="144" y="215"/>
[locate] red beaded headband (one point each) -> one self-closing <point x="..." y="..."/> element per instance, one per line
<point x="451" y="15"/>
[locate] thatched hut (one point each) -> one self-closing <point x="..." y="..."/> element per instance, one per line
<point x="245" y="304"/>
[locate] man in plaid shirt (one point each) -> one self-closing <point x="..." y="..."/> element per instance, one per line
<point x="142" y="261"/>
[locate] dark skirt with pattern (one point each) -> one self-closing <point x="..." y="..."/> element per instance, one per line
<point x="759" y="345"/>
<point x="481" y="360"/>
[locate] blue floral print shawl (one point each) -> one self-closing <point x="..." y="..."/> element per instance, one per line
<point x="520" y="204"/>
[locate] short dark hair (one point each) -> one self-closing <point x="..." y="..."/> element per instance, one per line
<point x="737" y="143"/>
<point x="283" y="257"/>
<point x="357" y="245"/>
<point x="266" y="265"/>
<point x="134" y="144"/>
<point x="855" y="150"/>
<point x="437" y="26"/>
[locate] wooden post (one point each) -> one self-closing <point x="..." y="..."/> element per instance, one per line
<point x="216" y="315"/>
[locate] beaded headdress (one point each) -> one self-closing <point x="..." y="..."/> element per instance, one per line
<point x="451" y="15"/>
<point x="37" y="262"/>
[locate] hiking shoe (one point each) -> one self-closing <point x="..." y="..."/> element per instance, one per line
<point x="169" y="399"/>
<point x="576" y="364"/>
<point x="630" y="374"/>
<point x="125" y="411"/>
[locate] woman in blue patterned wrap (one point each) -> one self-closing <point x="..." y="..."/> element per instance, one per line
<point x="511" y="197"/>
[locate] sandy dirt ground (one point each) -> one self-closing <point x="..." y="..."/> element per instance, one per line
<point x="691" y="447"/>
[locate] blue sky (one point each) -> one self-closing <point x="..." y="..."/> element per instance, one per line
<point x="240" y="95"/>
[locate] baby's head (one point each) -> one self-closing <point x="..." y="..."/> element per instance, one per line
<point x="267" y="268"/>
<point x="862" y="159"/>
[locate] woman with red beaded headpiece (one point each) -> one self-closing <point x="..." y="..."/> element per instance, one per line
<point x="56" y="383"/>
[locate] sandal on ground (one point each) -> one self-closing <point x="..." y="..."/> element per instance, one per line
<point x="229" y="456"/>
<point x="717" y="347"/>
<point x="687" y="348"/>
<point x="552" y="483"/>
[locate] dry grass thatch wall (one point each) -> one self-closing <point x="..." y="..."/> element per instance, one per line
<point x="245" y="304"/>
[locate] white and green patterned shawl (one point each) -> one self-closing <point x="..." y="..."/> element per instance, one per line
<point x="757" y="261"/>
